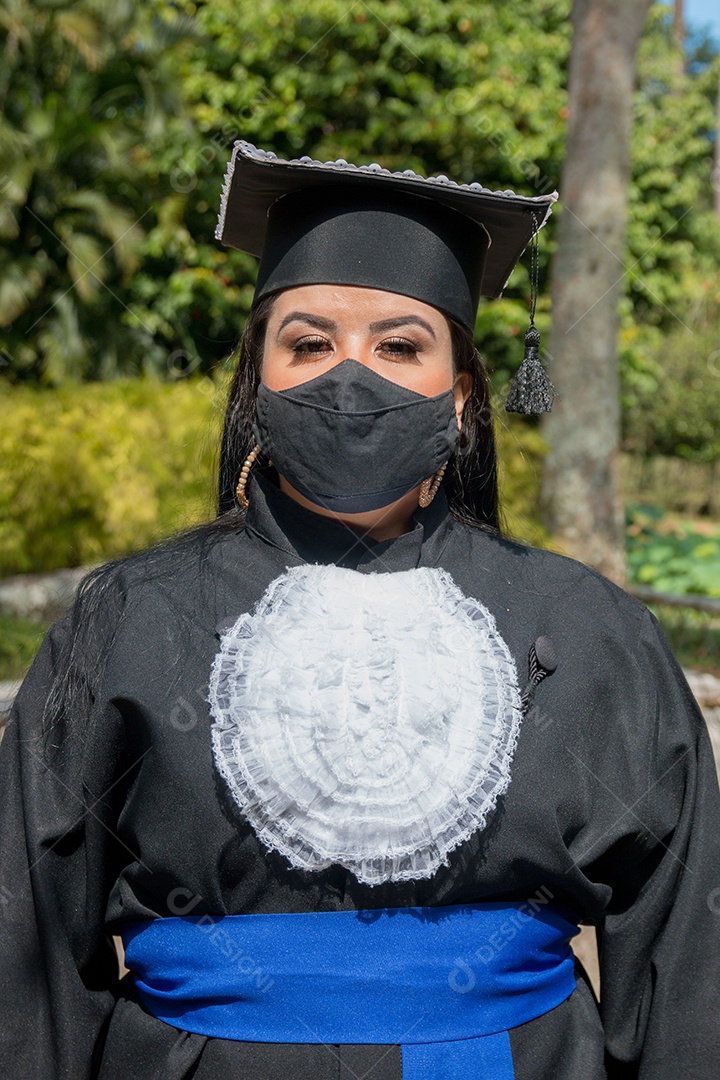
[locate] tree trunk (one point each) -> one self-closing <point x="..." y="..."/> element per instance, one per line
<point x="679" y="32"/>
<point x="679" y="24"/>
<point x="580" y="492"/>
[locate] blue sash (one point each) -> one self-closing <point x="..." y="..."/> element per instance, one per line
<point x="444" y="983"/>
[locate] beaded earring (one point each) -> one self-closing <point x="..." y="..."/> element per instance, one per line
<point x="244" y="473"/>
<point x="428" y="488"/>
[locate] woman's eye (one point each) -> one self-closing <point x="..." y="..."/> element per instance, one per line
<point x="308" y="346"/>
<point x="399" y="347"/>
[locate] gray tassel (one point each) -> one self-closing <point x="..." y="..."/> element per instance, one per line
<point x="531" y="392"/>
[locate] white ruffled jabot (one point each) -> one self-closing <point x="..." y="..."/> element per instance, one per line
<point x="365" y="719"/>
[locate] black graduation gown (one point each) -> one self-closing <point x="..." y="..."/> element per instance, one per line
<point x="613" y="809"/>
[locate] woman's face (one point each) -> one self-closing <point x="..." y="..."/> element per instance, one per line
<point x="312" y="328"/>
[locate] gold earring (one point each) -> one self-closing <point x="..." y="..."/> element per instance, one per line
<point x="428" y="488"/>
<point x="244" y="473"/>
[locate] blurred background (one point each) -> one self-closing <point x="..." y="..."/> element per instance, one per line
<point x="120" y="314"/>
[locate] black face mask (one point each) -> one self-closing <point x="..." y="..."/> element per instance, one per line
<point x="351" y="440"/>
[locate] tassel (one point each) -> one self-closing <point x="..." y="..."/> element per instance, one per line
<point x="531" y="392"/>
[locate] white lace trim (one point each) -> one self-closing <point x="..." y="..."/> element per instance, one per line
<point x="365" y="719"/>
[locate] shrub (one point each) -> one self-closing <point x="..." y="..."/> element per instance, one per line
<point x="90" y="471"/>
<point x="96" y="470"/>
<point x="676" y="411"/>
<point x="521" y="450"/>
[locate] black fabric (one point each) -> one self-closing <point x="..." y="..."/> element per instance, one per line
<point x="613" y="809"/>
<point x="378" y="239"/>
<point x="351" y="440"/>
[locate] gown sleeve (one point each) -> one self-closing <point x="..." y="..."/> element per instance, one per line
<point x="58" y="968"/>
<point x="660" y="940"/>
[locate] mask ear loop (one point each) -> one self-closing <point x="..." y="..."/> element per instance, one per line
<point x="531" y="392"/>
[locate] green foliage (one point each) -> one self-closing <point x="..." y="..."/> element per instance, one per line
<point x="97" y="470"/>
<point x="694" y="636"/>
<point x="673" y="232"/>
<point x="670" y="556"/>
<point x="20" y="639"/>
<point x="115" y="139"/>
<point x="521" y="450"/>
<point x="90" y="84"/>
<point x="424" y="84"/>
<point x="674" y="409"/>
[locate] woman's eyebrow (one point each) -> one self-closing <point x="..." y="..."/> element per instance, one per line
<point x="314" y="320"/>
<point x="402" y="320"/>
<point x="321" y="323"/>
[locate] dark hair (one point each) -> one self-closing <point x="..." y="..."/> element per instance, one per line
<point x="471" y="479"/>
<point x="470" y="484"/>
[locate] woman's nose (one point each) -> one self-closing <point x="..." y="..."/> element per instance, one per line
<point x="355" y="347"/>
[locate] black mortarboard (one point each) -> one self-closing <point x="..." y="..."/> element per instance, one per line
<point x="314" y="222"/>
<point x="334" y="223"/>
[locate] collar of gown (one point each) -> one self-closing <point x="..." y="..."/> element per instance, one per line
<point x="281" y="521"/>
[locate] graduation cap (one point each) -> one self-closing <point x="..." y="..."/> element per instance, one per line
<point x="444" y="243"/>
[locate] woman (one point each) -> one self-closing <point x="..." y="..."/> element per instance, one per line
<point x="347" y="768"/>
